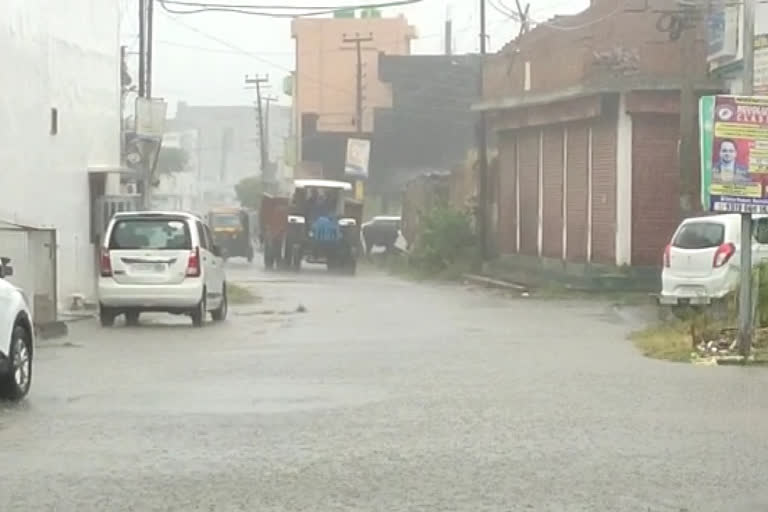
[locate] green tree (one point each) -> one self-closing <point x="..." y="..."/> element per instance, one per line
<point x="171" y="160"/>
<point x="249" y="192"/>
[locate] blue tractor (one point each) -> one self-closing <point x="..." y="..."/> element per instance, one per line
<point x="318" y="229"/>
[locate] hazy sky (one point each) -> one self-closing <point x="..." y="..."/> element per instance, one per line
<point x="203" y="58"/>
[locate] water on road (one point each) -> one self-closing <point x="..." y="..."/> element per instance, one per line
<point x="383" y="395"/>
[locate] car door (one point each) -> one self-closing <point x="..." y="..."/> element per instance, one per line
<point x="217" y="267"/>
<point x="208" y="262"/>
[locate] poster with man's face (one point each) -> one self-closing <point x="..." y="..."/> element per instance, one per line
<point x="738" y="170"/>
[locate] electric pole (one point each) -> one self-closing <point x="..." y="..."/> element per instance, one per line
<point x="358" y="41"/>
<point x="745" y="292"/>
<point x="267" y="105"/>
<point x="142" y="47"/>
<point x="482" y="149"/>
<point x="255" y="83"/>
<point x="150" y="45"/>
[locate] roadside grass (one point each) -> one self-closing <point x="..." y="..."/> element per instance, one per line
<point x="670" y="341"/>
<point x="237" y="294"/>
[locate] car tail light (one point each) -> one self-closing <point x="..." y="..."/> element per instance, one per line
<point x="105" y="264"/>
<point x="667" y="250"/>
<point x="193" y="265"/>
<point x="723" y="254"/>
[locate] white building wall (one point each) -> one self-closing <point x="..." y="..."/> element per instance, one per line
<point x="62" y="55"/>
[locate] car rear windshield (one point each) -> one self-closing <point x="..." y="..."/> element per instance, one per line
<point x="700" y="235"/>
<point x="157" y="234"/>
<point x="225" y="220"/>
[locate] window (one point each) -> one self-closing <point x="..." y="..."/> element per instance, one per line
<point x="54" y="121"/>
<point x="225" y="220"/>
<point x="700" y="235"/>
<point x="152" y="234"/>
<point x="201" y="236"/>
<point x="208" y="237"/>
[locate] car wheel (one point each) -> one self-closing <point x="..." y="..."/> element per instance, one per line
<point x="106" y="317"/>
<point x="198" y="315"/>
<point x="15" y="385"/>
<point x="220" y="314"/>
<point x="132" y="318"/>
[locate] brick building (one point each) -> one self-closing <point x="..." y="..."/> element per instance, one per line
<point x="586" y="109"/>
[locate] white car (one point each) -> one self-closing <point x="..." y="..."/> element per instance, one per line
<point x="17" y="339"/>
<point x="701" y="263"/>
<point x="160" y="261"/>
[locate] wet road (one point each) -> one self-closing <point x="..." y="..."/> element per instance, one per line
<point x="385" y="395"/>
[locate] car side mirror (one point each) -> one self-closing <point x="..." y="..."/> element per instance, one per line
<point x="216" y="250"/>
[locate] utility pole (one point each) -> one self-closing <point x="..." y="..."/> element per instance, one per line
<point x="255" y="83"/>
<point x="142" y="47"/>
<point x="357" y="40"/>
<point x="448" y="32"/>
<point x="267" y="105"/>
<point x="482" y="149"/>
<point x="150" y="45"/>
<point x="688" y="156"/>
<point x="745" y="292"/>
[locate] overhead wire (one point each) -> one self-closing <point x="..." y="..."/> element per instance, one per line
<point x="256" y="10"/>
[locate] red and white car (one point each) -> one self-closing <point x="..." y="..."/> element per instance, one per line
<point x="702" y="261"/>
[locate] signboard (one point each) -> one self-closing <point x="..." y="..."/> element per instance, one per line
<point x="737" y="170"/>
<point x="358" y="154"/>
<point x="722" y="30"/>
<point x="761" y="65"/>
<point x="150" y="117"/>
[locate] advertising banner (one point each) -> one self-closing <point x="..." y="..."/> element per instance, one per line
<point x="737" y="171"/>
<point x="358" y="155"/>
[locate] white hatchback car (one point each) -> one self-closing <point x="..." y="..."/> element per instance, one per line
<point x="701" y="263"/>
<point x="160" y="261"/>
<point x="17" y="339"/>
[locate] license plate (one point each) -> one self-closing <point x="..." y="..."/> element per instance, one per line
<point x="148" y="267"/>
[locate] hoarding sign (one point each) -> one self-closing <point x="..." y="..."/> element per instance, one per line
<point x="358" y="154"/>
<point x="737" y="171"/>
<point x="761" y="65"/>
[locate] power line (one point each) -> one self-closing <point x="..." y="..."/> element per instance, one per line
<point x="256" y="10"/>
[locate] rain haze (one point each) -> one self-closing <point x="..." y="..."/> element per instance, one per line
<point x="275" y="261"/>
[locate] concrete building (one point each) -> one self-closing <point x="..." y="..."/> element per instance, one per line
<point x="228" y="147"/>
<point x="60" y="111"/>
<point x="179" y="190"/>
<point x="326" y="68"/>
<point x="587" y="120"/>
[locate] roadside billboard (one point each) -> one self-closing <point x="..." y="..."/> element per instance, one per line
<point x="358" y="156"/>
<point x="735" y="155"/>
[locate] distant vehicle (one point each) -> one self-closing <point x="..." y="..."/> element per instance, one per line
<point x="232" y="232"/>
<point x="381" y="231"/>
<point x="273" y="227"/>
<point x="701" y="263"/>
<point x="17" y="338"/>
<point x="321" y="226"/>
<point x="164" y="262"/>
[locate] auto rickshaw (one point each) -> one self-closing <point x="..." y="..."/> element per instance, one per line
<point x="232" y="232"/>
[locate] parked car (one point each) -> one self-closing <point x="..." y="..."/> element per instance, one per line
<point x="381" y="231"/>
<point x="17" y="338"/>
<point x="702" y="261"/>
<point x="164" y="262"/>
